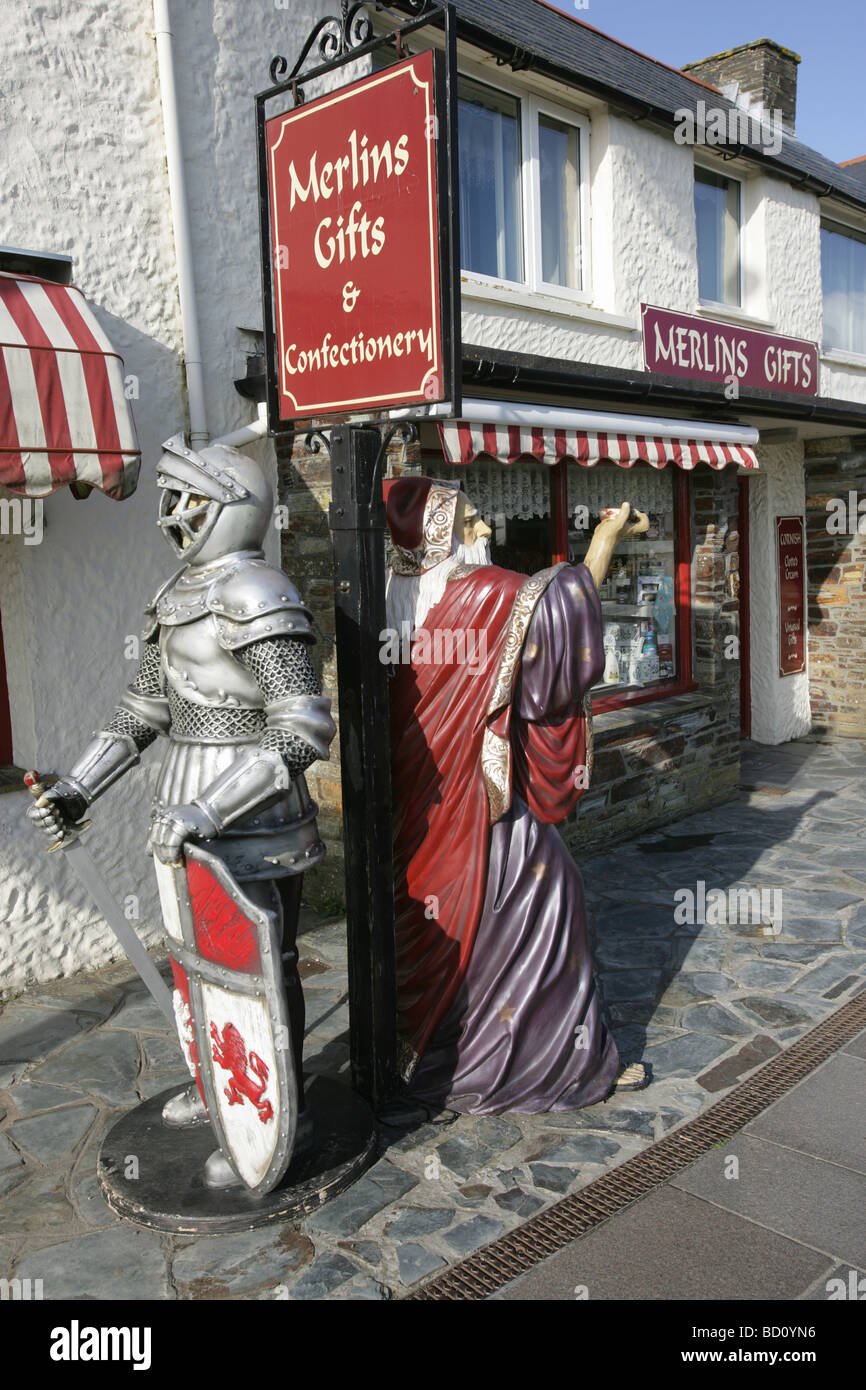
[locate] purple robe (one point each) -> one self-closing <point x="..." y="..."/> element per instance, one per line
<point x="525" y="1031"/>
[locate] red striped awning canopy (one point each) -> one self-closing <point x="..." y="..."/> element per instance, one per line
<point x="64" y="418"/>
<point x="464" y="441"/>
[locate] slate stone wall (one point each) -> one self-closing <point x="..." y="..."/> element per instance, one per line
<point x="836" y="565"/>
<point x="662" y="760"/>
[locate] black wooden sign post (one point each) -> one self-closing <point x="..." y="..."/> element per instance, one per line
<point x="297" y="207"/>
<point x="357" y="521"/>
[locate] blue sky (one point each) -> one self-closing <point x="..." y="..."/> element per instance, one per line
<point x="829" y="35"/>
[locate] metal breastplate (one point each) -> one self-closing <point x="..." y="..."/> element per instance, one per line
<point x="202" y="672"/>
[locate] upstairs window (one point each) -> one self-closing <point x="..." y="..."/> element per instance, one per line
<point x="523" y="192"/>
<point x="718" y="221"/>
<point x="843" y="276"/>
<point x="491" y="202"/>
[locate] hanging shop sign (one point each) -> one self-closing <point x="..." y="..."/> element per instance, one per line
<point x="709" y="350"/>
<point x="358" y="245"/>
<point x="792" y="607"/>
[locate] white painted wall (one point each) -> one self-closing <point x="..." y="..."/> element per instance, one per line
<point x="82" y="159"/>
<point x="780" y="705"/>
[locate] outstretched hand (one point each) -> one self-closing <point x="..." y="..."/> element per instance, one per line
<point x="615" y="525"/>
<point x="617" y="521"/>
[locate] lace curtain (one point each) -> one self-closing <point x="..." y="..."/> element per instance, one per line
<point x="516" y="490"/>
<point x="606" y="485"/>
<point x="522" y="490"/>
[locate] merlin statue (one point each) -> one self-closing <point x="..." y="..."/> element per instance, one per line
<point x="225" y="677"/>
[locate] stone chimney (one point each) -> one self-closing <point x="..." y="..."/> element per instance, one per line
<point x="760" y="74"/>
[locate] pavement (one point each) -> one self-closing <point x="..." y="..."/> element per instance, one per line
<point x="695" y="984"/>
<point x="776" y="1213"/>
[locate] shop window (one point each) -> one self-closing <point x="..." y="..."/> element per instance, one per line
<point x="522" y="191"/>
<point x="639" y="595"/>
<point x="843" y="276"/>
<point x="491" y="205"/>
<point x="540" y="515"/>
<point x="718" y="221"/>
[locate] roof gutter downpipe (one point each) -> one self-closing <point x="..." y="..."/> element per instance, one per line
<point x="198" y="433"/>
<point x="248" y="434"/>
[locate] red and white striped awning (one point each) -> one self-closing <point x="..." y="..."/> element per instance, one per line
<point x="463" y="441"/>
<point x="64" y="418"/>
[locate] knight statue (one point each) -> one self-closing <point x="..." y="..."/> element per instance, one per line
<point x="225" y="676"/>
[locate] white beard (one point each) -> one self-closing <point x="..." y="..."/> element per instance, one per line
<point x="409" y="598"/>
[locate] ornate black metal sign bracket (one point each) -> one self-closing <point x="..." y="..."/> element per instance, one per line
<point x="334" y="42"/>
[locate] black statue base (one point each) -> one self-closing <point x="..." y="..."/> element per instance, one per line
<point x="169" y="1193"/>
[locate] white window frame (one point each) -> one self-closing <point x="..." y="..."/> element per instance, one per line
<point x="831" y="223"/>
<point x="713" y="168"/>
<point x="531" y="107"/>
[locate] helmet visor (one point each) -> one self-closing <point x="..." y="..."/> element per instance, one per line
<point x="185" y="518"/>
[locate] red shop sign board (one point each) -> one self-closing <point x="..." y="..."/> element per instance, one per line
<point x="353" y="194"/>
<point x="792" y="608"/>
<point x="709" y="350"/>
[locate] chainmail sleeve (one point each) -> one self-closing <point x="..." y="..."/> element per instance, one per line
<point x="140" y="715"/>
<point x="299" y="726"/>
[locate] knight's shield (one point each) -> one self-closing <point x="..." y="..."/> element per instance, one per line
<point x="232" y="1014"/>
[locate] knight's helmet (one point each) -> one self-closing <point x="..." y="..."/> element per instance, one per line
<point x="213" y="503"/>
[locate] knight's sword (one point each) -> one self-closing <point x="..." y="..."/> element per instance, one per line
<point x="99" y="891"/>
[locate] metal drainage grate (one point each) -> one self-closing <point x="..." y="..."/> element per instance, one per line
<point x="497" y="1264"/>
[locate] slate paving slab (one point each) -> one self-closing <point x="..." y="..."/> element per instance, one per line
<point x="550" y="1177"/>
<point x="481" y="1230"/>
<point x="50" y="1137"/>
<point x="31" y="1096"/>
<point x="366" y="1250"/>
<point x="382" y="1184"/>
<point x="102" y="1066"/>
<point x="28" y="1034"/>
<point x="773" y="1010"/>
<point x="140" y="1012"/>
<point x="687" y="1055"/>
<point x="468" y="1151"/>
<point x="715" y="1018"/>
<point x="766" y="974"/>
<point x="411" y="1222"/>
<point x="9" y="1157"/>
<point x="415" y="1261"/>
<point x="123" y="1263"/>
<point x="37" y="1207"/>
<point x="323" y="1277"/>
<point x="244" y="1263"/>
<point x="583" y="1148"/>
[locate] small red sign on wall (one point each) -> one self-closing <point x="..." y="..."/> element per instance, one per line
<point x="352" y="187"/>
<point x="792" y="615"/>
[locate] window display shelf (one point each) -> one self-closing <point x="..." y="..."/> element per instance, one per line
<point x="611" y="609"/>
<point x="632" y="547"/>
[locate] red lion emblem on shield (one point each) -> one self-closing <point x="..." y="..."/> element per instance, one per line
<point x="230" y="1052"/>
